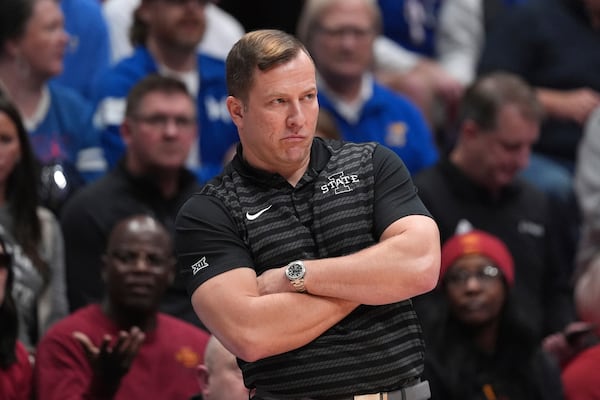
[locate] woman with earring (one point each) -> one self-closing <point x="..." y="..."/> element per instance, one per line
<point x="59" y="121"/>
<point x="31" y="231"/>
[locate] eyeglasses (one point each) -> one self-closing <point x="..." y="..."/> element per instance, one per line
<point x="161" y="121"/>
<point x="342" y="32"/>
<point x="484" y="276"/>
<point x="129" y="259"/>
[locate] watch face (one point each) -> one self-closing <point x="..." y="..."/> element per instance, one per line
<point x="295" y="271"/>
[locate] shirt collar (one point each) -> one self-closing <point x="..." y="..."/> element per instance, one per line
<point x="350" y="110"/>
<point x="319" y="156"/>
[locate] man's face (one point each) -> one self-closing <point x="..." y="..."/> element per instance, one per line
<point x="342" y="44"/>
<point x="138" y="265"/>
<point x="178" y="24"/>
<point x="502" y="153"/>
<point x="162" y="131"/>
<point x="277" y="122"/>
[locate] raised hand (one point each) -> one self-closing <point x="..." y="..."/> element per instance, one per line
<point x="110" y="362"/>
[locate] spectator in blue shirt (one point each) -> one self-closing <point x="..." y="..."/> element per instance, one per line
<point x="340" y="36"/>
<point x="166" y="34"/>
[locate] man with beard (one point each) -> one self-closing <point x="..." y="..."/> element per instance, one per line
<point x="166" y="34"/>
<point x="124" y="348"/>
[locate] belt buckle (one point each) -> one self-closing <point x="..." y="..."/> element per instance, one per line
<point x="374" y="396"/>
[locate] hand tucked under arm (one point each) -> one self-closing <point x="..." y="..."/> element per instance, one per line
<point x="404" y="264"/>
<point x="274" y="281"/>
<point x="254" y="326"/>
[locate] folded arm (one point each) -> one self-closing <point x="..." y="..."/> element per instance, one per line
<point x="254" y="326"/>
<point x="264" y="316"/>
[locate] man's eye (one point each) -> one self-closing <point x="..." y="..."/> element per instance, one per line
<point x="126" y="257"/>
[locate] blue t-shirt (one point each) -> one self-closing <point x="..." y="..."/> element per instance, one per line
<point x="393" y="121"/>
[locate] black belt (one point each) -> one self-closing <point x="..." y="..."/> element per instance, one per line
<point x="417" y="391"/>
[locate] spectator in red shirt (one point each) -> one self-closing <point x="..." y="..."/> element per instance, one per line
<point x="124" y="348"/>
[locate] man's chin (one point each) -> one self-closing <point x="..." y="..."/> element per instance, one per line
<point x="167" y="166"/>
<point x="187" y="41"/>
<point x="505" y="179"/>
<point x="140" y="306"/>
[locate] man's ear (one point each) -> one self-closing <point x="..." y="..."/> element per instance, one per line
<point x="203" y="376"/>
<point x="171" y="277"/>
<point x="126" y="131"/>
<point x="172" y="271"/>
<point x="142" y="12"/>
<point x="470" y="129"/>
<point x="236" y="110"/>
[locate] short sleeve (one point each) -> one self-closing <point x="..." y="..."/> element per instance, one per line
<point x="395" y="194"/>
<point x="207" y="241"/>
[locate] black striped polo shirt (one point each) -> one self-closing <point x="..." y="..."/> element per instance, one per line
<point x="329" y="213"/>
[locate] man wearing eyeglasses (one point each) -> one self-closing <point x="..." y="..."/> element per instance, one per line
<point x="340" y="36"/>
<point x="159" y="129"/>
<point x="166" y="34"/>
<point x="124" y="348"/>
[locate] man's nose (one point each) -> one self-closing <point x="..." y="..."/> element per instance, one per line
<point x="296" y="115"/>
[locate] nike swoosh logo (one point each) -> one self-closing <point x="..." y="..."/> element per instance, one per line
<point x="252" y="217"/>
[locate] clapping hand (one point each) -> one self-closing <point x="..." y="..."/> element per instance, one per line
<point x="111" y="362"/>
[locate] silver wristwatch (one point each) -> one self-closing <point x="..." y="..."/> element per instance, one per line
<point x="295" y="271"/>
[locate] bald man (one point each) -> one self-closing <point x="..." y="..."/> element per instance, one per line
<point x="124" y="348"/>
<point x="220" y="376"/>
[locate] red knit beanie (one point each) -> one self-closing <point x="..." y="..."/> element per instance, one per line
<point x="478" y="242"/>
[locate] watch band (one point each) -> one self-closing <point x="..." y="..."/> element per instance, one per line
<point x="299" y="285"/>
